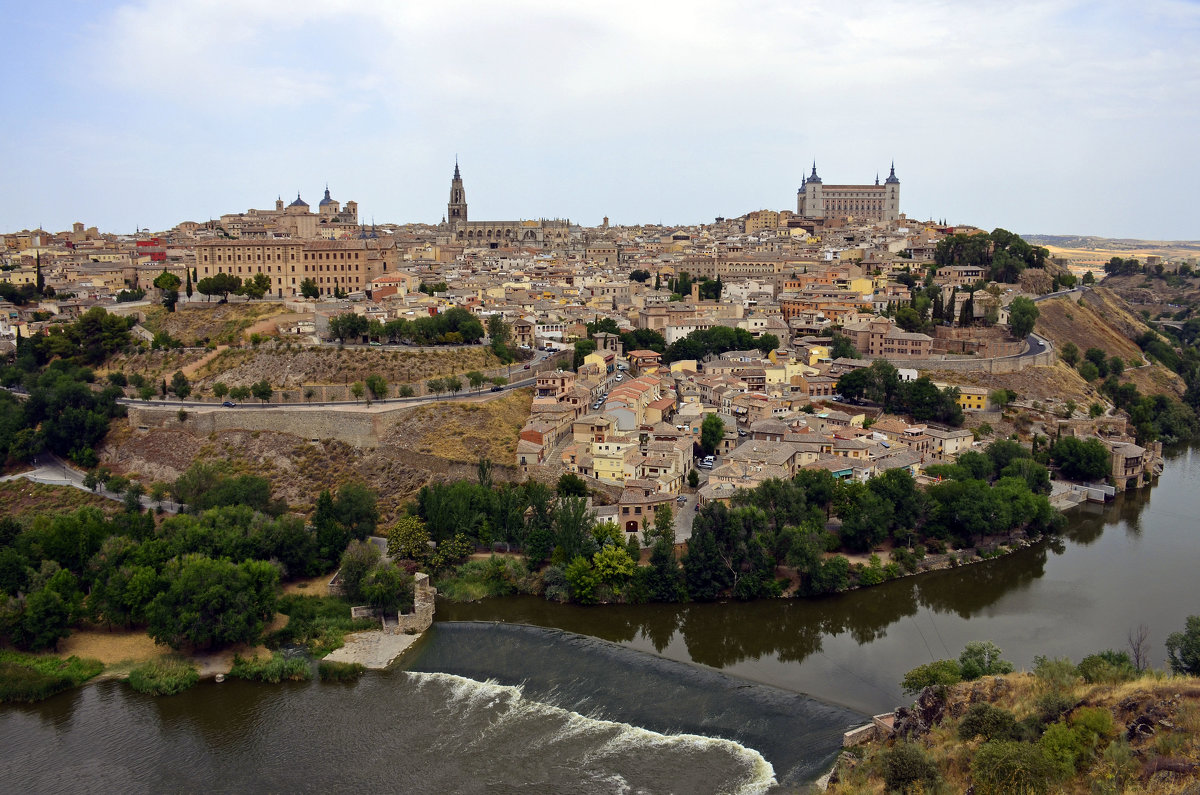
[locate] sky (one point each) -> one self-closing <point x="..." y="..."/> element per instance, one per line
<point x="1047" y="117"/>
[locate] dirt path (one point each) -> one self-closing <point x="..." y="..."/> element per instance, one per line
<point x="191" y="369"/>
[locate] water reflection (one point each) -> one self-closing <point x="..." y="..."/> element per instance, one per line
<point x="723" y="634"/>
<point x="1013" y="598"/>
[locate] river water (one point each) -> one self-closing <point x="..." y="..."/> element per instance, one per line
<point x="651" y="698"/>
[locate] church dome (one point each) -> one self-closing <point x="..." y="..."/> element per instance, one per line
<point x="327" y="200"/>
<point x="299" y="202"/>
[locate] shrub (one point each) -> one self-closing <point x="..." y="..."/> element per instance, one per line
<point x="164" y="677"/>
<point x="317" y="622"/>
<point x="1065" y="748"/>
<point x="1054" y="674"/>
<point x="982" y="658"/>
<point x="907" y="764"/>
<point x="273" y="669"/>
<point x="1003" y="768"/>
<point x="940" y="674"/>
<point x="992" y="723"/>
<point x="1106" y="667"/>
<point x="28" y="677"/>
<point x="1053" y="705"/>
<point x="339" y="671"/>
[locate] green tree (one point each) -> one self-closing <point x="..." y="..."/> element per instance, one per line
<point x="357" y="389"/>
<point x="405" y="391"/>
<point x="1116" y="365"/>
<point x="582" y="349"/>
<point x="572" y="527"/>
<point x="221" y="284"/>
<point x="453" y="384"/>
<point x="239" y="392"/>
<point x="261" y="390"/>
<point x="1022" y="315"/>
<point x="1183" y="648"/>
<point x="571" y="485"/>
<point x="180" y="385"/>
<point x="211" y="603"/>
<point x="169" y="283"/>
<point x="386" y="588"/>
<point x="712" y="431"/>
<point x="377" y="386"/>
<point x="693" y="479"/>
<point x="476" y="379"/>
<point x="408" y="539"/>
<point x="188" y="290"/>
<point x="436" y="386"/>
<point x="256" y="286"/>
<point x="356" y="562"/>
<point x="982" y="658"/>
<point x="220" y="390"/>
<point x="309" y="289"/>
<point x="1081" y="460"/>
<point x="767" y="343"/>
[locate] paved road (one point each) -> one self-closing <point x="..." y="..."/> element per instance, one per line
<point x="53" y="471"/>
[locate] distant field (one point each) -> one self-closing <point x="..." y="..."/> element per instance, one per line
<point x="1099" y="250"/>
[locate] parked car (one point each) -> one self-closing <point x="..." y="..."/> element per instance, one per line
<point x="497" y="388"/>
<point x="526" y="367"/>
<point x="228" y="404"/>
<point x="681" y="499"/>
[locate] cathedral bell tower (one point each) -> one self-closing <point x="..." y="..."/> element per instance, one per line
<point x="456" y="209"/>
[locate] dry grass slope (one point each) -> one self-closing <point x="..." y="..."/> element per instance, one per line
<point x="219" y="323"/>
<point x="293" y="366"/>
<point x="24" y="500"/>
<point x="427" y="443"/>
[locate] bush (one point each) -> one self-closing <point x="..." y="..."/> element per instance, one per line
<point x="1053" y="705"/>
<point x="906" y="764"/>
<point x="1054" y="674"/>
<point x="339" y="671"/>
<point x="992" y="723"/>
<point x="940" y="674"/>
<point x="28" y="677"/>
<point x="1065" y="748"/>
<point x="273" y="669"/>
<point x="1003" y="768"/>
<point x="318" y="622"/>
<point x="164" y="677"/>
<point x="1106" y="667"/>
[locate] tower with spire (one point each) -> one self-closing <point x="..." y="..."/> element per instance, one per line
<point x="456" y="209"/>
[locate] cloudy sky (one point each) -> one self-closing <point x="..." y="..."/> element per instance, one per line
<point x="1049" y="116"/>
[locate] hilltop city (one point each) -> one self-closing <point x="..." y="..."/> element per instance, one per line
<point x="665" y="362"/>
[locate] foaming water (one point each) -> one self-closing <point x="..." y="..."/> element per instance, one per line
<point x="389" y="732"/>
<point x="692" y="711"/>
<point x="603" y="755"/>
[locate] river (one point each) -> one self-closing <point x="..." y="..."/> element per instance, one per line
<point x="649" y="698"/>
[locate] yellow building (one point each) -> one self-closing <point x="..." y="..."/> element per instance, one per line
<point x="761" y="219"/>
<point x="612" y="460"/>
<point x="972" y="398"/>
<point x="346" y="265"/>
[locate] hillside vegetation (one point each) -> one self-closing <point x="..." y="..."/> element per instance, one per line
<point x="1044" y="732"/>
<point x="426" y="443"/>
<point x="202" y="323"/>
<point x="295" y="366"/>
<point x="1099" y="320"/>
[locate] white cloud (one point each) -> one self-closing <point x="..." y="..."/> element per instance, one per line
<point x="672" y="109"/>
